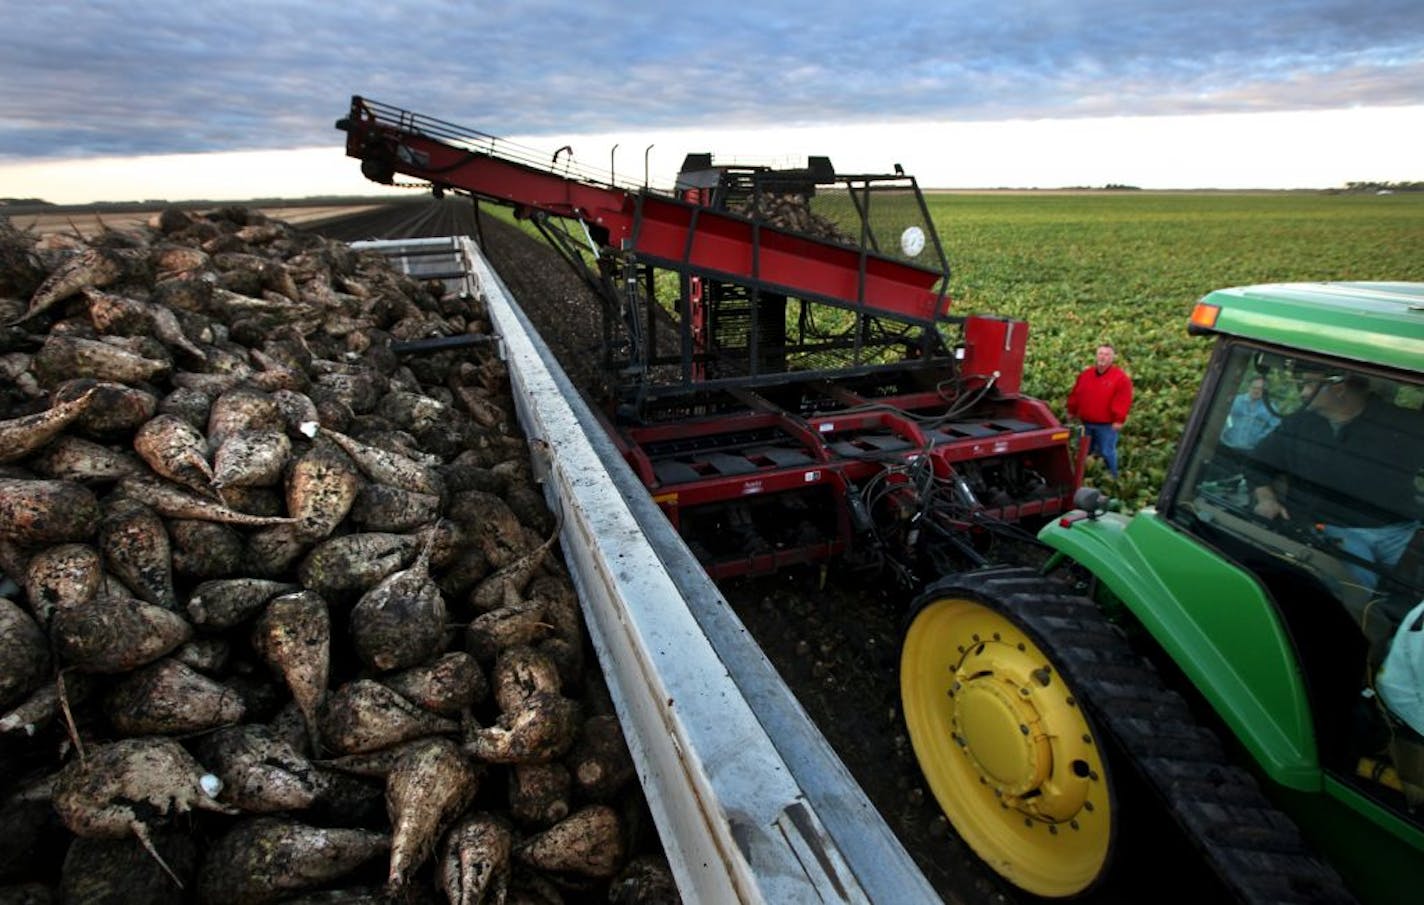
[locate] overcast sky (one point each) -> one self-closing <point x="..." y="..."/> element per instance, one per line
<point x="100" y="82"/>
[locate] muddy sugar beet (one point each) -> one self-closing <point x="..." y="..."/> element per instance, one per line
<point x="283" y="614"/>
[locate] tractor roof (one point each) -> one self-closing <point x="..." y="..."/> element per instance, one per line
<point x="1380" y="323"/>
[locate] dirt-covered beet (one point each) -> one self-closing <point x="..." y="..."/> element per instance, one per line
<point x="240" y="584"/>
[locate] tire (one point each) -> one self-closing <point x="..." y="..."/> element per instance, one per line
<point x="1014" y="692"/>
<point x="1014" y="762"/>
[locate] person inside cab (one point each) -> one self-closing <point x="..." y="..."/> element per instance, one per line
<point x="1344" y="464"/>
<point x="1250" y="418"/>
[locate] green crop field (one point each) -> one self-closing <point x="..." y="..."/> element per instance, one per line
<point x="1127" y="267"/>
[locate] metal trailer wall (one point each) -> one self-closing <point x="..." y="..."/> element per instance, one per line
<point x="751" y="803"/>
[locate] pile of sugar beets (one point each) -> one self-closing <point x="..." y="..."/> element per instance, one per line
<point x="283" y="618"/>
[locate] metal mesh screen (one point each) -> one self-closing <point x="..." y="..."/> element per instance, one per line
<point x="888" y="216"/>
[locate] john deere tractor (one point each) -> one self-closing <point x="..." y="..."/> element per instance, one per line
<point x="1251" y="648"/>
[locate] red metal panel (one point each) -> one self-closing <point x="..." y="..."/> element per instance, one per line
<point x="724" y="244"/>
<point x="637" y="438"/>
<point x="1008" y="444"/>
<point x="995" y="345"/>
<point x="732" y="487"/>
<point x="871" y="422"/>
<point x="513" y="183"/>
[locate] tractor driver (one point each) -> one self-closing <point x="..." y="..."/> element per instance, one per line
<point x="1346" y="463"/>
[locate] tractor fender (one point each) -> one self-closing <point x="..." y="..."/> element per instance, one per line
<point x="1214" y="620"/>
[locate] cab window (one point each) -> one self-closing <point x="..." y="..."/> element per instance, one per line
<point x="1308" y="473"/>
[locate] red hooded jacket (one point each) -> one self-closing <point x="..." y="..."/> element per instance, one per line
<point x="1101" y="398"/>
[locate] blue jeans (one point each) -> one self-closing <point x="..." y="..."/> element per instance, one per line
<point x="1102" y="440"/>
<point x="1383" y="545"/>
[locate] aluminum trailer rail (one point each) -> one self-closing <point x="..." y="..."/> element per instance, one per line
<point x="751" y="803"/>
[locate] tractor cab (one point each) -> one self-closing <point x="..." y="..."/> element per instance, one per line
<point x="1306" y="471"/>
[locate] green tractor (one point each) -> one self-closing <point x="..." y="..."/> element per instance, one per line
<point x="1251" y="648"/>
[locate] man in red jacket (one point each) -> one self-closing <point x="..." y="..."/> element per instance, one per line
<point x="1100" y="399"/>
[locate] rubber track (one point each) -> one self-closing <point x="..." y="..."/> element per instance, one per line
<point x="1255" y="849"/>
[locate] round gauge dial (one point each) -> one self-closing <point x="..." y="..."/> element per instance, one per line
<point x="912" y="241"/>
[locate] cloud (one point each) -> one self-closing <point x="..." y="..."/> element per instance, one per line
<point x="106" y="79"/>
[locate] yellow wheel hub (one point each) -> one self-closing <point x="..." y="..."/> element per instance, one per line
<point x="1006" y="750"/>
<point x="995" y="731"/>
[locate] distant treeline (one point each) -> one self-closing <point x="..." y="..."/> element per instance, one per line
<point x="1377" y="187"/>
